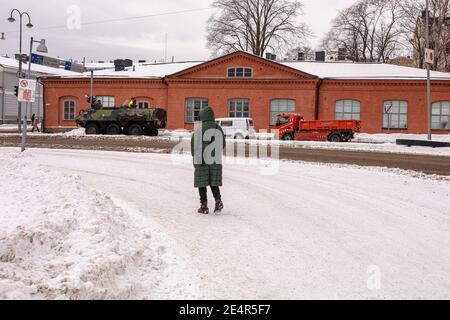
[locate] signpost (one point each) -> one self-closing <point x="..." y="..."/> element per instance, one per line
<point x="27" y="90"/>
<point x="27" y="93"/>
<point x="56" y="63"/>
<point x="429" y="56"/>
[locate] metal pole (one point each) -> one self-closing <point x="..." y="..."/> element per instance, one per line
<point x="430" y="137"/>
<point x="91" y="100"/>
<point x="24" y="126"/>
<point x="20" y="73"/>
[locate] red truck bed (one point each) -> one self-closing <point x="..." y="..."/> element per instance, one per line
<point x="352" y="125"/>
<point x="328" y="130"/>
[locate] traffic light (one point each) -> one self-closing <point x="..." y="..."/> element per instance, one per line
<point x="16" y="91"/>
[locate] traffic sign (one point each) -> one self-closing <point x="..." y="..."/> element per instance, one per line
<point x="27" y="90"/>
<point x="429" y="56"/>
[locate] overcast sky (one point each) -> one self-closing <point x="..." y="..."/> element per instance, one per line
<point x="134" y="38"/>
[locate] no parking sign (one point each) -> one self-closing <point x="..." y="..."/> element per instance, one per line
<point x="27" y="90"/>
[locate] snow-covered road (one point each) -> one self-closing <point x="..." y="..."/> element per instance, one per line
<point x="311" y="231"/>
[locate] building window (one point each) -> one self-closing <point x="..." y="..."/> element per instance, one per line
<point x="441" y="115"/>
<point x="69" y="110"/>
<point x="240" y="72"/>
<point x="239" y="108"/>
<point x="143" y="105"/>
<point x="348" y="110"/>
<point x="395" y="115"/>
<point x="107" y="101"/>
<point x="279" y="106"/>
<point x="193" y="108"/>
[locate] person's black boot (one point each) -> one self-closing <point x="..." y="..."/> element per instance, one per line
<point x="219" y="206"/>
<point x="204" y="208"/>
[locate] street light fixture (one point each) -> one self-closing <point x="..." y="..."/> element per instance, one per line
<point x="41" y="47"/>
<point x="3" y="36"/>
<point x="29" y="25"/>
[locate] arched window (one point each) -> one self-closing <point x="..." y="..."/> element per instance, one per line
<point x="441" y="115"/>
<point x="348" y="110"/>
<point x="279" y="106"/>
<point x="239" y="108"/>
<point x="69" y="109"/>
<point x="395" y="114"/>
<point x="193" y="107"/>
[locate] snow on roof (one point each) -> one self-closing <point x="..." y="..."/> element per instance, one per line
<point x="99" y="65"/>
<point x="324" y="70"/>
<point x="10" y="63"/>
<point x="363" y="71"/>
<point x="153" y="71"/>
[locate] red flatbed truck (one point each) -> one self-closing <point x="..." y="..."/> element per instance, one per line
<point x="294" y="127"/>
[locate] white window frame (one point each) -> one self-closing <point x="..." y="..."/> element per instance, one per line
<point x="244" y="75"/>
<point x="236" y="108"/>
<point x="441" y="114"/>
<point x="280" y="106"/>
<point x="398" y="115"/>
<point x="347" y="109"/>
<point x="192" y="108"/>
<point x="143" y="102"/>
<point x="72" y="118"/>
<point x="107" y="101"/>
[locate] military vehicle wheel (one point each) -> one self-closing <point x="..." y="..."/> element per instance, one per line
<point x="92" y="129"/>
<point x="113" y="129"/>
<point x="134" y="130"/>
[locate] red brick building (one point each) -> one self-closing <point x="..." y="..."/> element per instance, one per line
<point x="243" y="85"/>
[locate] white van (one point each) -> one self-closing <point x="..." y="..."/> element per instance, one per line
<point x="237" y="128"/>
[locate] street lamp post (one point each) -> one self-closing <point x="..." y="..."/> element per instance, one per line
<point x="28" y="25"/>
<point x="43" y="49"/>
<point x="427" y="36"/>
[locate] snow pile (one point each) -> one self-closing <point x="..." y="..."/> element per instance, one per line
<point x="60" y="240"/>
<point x="392" y="138"/>
<point x="80" y="132"/>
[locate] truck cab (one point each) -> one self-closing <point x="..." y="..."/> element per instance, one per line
<point x="287" y="124"/>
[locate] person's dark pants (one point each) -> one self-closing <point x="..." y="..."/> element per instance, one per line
<point x="204" y="194"/>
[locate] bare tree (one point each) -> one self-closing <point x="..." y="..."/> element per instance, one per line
<point x="413" y="33"/>
<point x="413" y="24"/>
<point x="369" y="31"/>
<point x="255" y="26"/>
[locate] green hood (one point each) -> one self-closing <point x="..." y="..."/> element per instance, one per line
<point x="207" y="114"/>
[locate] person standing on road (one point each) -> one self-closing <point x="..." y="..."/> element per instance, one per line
<point x="207" y="144"/>
<point x="35" y="123"/>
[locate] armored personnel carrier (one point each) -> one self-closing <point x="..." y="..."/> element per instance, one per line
<point x="116" y="121"/>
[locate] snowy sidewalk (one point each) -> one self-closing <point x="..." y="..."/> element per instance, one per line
<point x="62" y="240"/>
<point x="311" y="231"/>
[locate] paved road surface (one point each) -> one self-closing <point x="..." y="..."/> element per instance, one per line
<point x="428" y="164"/>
